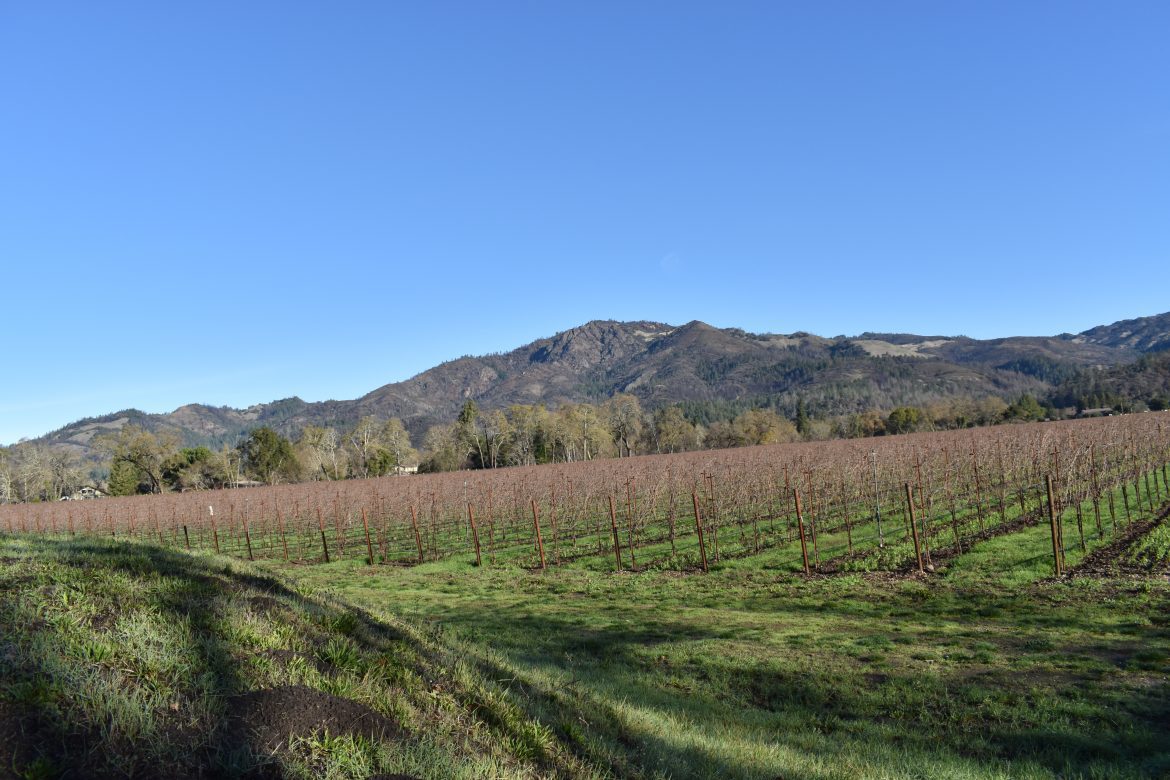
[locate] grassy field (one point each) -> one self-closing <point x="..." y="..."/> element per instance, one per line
<point x="122" y="659"/>
<point x="990" y="668"/>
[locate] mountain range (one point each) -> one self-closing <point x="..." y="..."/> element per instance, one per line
<point x="711" y="370"/>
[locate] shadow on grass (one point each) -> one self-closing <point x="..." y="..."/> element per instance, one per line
<point x="664" y="697"/>
<point x="620" y="696"/>
<point x="201" y="734"/>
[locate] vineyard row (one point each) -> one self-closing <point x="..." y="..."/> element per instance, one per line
<point x="888" y="504"/>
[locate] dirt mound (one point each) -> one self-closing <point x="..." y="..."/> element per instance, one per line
<point x="269" y="717"/>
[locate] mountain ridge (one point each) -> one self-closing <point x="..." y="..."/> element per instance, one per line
<point x="695" y="363"/>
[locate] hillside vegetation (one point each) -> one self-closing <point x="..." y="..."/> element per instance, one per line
<point x="663" y="364"/>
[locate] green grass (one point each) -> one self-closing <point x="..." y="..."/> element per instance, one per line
<point x="988" y="670"/>
<point x="121" y="659"/>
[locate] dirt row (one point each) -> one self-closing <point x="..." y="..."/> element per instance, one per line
<point x="1111" y="560"/>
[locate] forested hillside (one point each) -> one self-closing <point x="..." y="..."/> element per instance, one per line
<point x="715" y="372"/>
<point x="1145" y="383"/>
<point x="558" y="398"/>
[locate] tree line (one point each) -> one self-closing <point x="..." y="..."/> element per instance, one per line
<point x="524" y="435"/>
<point x="136" y="460"/>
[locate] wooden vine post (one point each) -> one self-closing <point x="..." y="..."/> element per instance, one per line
<point x="670" y="520"/>
<point x="321" y="526"/>
<point x="914" y="528"/>
<point x="369" y="546"/>
<point x="1057" y="562"/>
<point x="800" y="526"/>
<point x="699" y="530"/>
<point x="845" y="509"/>
<point x="630" y="520"/>
<point x="617" y="548"/>
<point x="1137" y="490"/>
<point x="474" y="534"/>
<point x="417" y="535"/>
<point x="1096" y="489"/>
<point x="283" y="537"/>
<point x="247" y="537"/>
<point x="536" y="525"/>
<point x="814" y="511"/>
<point x="978" y="491"/>
<point x="1080" y="524"/>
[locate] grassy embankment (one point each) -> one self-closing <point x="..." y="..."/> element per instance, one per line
<point x="125" y="660"/>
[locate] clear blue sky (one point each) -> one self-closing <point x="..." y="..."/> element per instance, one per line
<point x="232" y="202"/>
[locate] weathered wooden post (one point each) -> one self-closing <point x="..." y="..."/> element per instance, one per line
<point x="617" y="549"/>
<point x="248" y="538"/>
<point x="474" y="534"/>
<point x="800" y="526"/>
<point x="699" y="530"/>
<point x="283" y="538"/>
<point x="321" y="527"/>
<point x="369" y="546"/>
<point x="914" y="528"/>
<point x="1056" y="549"/>
<point x="536" y="525"/>
<point x="417" y="535"/>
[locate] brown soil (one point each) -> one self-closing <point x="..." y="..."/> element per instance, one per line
<point x="264" y="605"/>
<point x="269" y="717"/>
<point x="103" y="621"/>
<point x="13" y="742"/>
<point x="1108" y="561"/>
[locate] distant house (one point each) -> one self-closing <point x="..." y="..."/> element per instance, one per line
<point x="405" y="470"/>
<point x="84" y="494"/>
<point x="1104" y="411"/>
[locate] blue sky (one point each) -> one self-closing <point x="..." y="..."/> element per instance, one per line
<point x="229" y="203"/>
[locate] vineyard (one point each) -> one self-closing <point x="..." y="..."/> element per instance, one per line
<point x="907" y="503"/>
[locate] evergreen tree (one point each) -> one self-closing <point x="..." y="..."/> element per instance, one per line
<point x="269" y="457"/>
<point x="124" y="479"/>
<point x="802" y="421"/>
